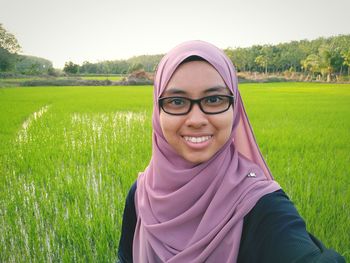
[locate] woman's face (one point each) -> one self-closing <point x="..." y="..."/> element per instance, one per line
<point x="196" y="136"/>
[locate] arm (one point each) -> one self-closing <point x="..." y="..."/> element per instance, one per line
<point x="273" y="231"/>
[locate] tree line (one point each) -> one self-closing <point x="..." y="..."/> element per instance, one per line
<point x="326" y="57"/>
<point x="323" y="57"/>
<point x="147" y="63"/>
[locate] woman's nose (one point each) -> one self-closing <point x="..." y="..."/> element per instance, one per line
<point x="196" y="117"/>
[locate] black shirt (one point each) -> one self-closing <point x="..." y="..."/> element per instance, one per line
<point x="273" y="231"/>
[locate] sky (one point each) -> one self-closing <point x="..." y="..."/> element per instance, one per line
<point x="97" y="30"/>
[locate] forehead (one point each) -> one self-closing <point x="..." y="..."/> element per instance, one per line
<point x="195" y="78"/>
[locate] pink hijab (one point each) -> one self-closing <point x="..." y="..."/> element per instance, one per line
<point x="194" y="213"/>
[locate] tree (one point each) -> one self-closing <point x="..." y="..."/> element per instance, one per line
<point x="87" y="68"/>
<point x="346" y="56"/>
<point x="311" y="63"/>
<point x="7" y="60"/>
<point x="149" y="62"/>
<point x="8" y="41"/>
<point x="239" y="57"/>
<point x="71" y="68"/>
<point x="262" y="62"/>
<point x="325" y="56"/>
<point x="135" y="67"/>
<point x="32" y="65"/>
<point x="8" y="48"/>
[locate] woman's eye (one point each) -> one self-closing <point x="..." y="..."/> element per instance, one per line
<point x="176" y="102"/>
<point x="213" y="100"/>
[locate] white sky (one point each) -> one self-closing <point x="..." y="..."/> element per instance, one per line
<point x="96" y="30"/>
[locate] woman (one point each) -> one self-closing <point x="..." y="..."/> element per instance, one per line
<point x="207" y="194"/>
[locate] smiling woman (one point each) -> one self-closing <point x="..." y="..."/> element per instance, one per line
<point x="196" y="135"/>
<point x="207" y="194"/>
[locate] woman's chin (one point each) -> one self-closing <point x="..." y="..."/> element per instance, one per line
<point x="196" y="158"/>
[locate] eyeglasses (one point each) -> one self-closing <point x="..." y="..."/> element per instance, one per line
<point x="214" y="104"/>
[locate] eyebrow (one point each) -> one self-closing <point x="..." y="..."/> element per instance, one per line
<point x="217" y="88"/>
<point x="177" y="91"/>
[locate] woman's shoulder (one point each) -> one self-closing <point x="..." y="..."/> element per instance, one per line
<point x="129" y="209"/>
<point x="274" y="231"/>
<point x="131" y="194"/>
<point x="272" y="203"/>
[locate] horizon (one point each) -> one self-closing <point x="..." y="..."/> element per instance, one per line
<point x="109" y="30"/>
<point x="117" y="59"/>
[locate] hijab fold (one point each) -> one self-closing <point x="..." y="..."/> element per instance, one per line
<point x="194" y="213"/>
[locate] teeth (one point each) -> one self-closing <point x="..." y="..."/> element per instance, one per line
<point x="197" y="139"/>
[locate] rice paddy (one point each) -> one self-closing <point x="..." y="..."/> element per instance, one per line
<point x="68" y="156"/>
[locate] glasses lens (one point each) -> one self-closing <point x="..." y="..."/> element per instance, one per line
<point x="176" y="105"/>
<point x="215" y="104"/>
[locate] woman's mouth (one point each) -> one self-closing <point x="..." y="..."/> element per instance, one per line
<point x="199" y="139"/>
<point x="197" y="142"/>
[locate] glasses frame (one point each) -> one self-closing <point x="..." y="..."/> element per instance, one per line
<point x="196" y="101"/>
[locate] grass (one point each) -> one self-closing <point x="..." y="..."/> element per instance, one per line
<point x="303" y="131"/>
<point x="57" y="81"/>
<point x="68" y="156"/>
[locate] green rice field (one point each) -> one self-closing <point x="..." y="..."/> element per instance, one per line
<point x="19" y="81"/>
<point x="68" y="156"/>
